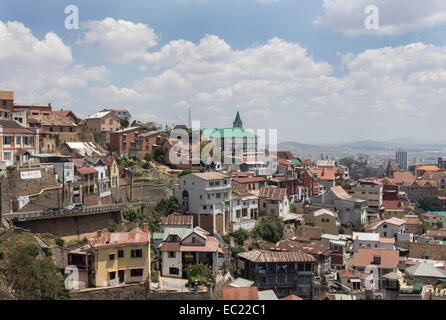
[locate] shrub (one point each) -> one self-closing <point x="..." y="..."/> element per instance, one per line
<point x="60" y="242"/>
<point x="154" y="277"/>
<point x="129" y="215"/>
<point x="236" y="250"/>
<point x="200" y="274"/>
<point x="168" y="206"/>
<point x="269" y="229"/>
<point x="240" y="236"/>
<point x="32" y="277"/>
<point x="111" y="226"/>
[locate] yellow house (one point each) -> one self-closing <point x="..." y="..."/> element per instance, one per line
<point x="120" y="257"/>
<point x="327" y="220"/>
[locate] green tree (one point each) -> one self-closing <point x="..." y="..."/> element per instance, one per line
<point x="148" y="157"/>
<point x="33" y="276"/>
<point x="240" y="236"/>
<point x="158" y="154"/>
<point x="184" y="172"/>
<point x="200" y="274"/>
<point x="129" y="214"/>
<point x="168" y="206"/>
<point x="124" y="123"/>
<point x="439" y="224"/>
<point x="358" y="226"/>
<point x="269" y="229"/>
<point x="59" y="241"/>
<point x="430" y="204"/>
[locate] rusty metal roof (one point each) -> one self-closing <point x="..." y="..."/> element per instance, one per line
<point x="178" y="219"/>
<point x="272" y="193"/>
<point x="276" y="256"/>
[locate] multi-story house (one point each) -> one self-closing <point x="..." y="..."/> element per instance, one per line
<point x="294" y="191"/>
<point x="115" y="258"/>
<point x="182" y="247"/>
<point x="350" y="209"/>
<point x="54" y="130"/>
<point x="135" y="141"/>
<point x="273" y="201"/>
<point x="15" y="142"/>
<point x="103" y="181"/>
<point x="101" y="122"/>
<point x="327" y="177"/>
<point x="378" y="262"/>
<point x="389" y="228"/>
<point x="419" y="189"/>
<point x="440" y="177"/>
<point x="207" y="196"/>
<point x="121" y="113"/>
<point x="252" y="183"/>
<point x="320" y="251"/>
<point x="311" y="182"/>
<point x="371" y="240"/>
<point x="371" y="191"/>
<point x="338" y="246"/>
<point x="284" y="272"/>
<point x="244" y="208"/>
<point x="327" y="220"/>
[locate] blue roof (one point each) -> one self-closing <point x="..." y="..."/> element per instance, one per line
<point x="441" y="213"/>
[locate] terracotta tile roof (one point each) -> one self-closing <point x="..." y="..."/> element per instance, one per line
<point x="86" y="170"/>
<point x="272" y="193"/>
<point x="212" y="245"/>
<point x="386" y="240"/>
<point x="347" y="274"/>
<point x="392" y="204"/>
<point x="178" y="219"/>
<point x="325" y="174"/>
<point x="285" y="155"/>
<point x="291" y="297"/>
<point x="6" y="95"/>
<point x="412" y="221"/>
<point x="53" y="120"/>
<point x="435" y="251"/>
<point x="428" y="168"/>
<point x="436" y="233"/>
<point x="249" y="180"/>
<point x="433" y="175"/>
<point x="364" y="257"/>
<point x="136" y="236"/>
<point x="276" y="256"/>
<point x="421" y="183"/>
<point x="236" y="293"/>
<point x="402" y="177"/>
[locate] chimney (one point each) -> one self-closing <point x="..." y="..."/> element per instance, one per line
<point x="146" y="227"/>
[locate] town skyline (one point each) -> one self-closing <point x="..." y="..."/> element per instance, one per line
<point x="268" y="59"/>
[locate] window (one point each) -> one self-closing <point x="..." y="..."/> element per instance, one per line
<point x="26" y="141"/>
<point x="136" y="272"/>
<point x="6" y="140"/>
<point x="110" y="121"/>
<point x="7" y="156"/>
<point x="111" y="256"/>
<point x="137" y="253"/>
<point x="61" y="129"/>
<point x="171" y="254"/>
<point x="103" y="121"/>
<point x="112" y="275"/>
<point x="173" y="270"/>
<point x="18" y="141"/>
<point x="121" y="254"/>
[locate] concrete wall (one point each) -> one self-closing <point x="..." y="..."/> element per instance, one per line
<point x="72" y="228"/>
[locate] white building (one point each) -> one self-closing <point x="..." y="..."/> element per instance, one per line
<point x="390" y="228"/>
<point x="207" y="196"/>
<point x="274" y="201"/>
<point x="371" y="240"/>
<point x="244" y="208"/>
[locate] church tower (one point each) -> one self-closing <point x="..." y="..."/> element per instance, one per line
<point x="237" y="122"/>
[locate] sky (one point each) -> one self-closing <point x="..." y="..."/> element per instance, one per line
<point x="310" y="68"/>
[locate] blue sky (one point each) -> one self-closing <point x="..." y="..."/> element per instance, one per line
<point x="308" y="68"/>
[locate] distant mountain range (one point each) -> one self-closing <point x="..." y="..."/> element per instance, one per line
<point x="358" y="147"/>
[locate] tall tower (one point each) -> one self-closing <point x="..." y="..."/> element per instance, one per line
<point x="401" y="159"/>
<point x="237" y="122"/>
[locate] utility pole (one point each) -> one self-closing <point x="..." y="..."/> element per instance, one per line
<point x="63" y="183"/>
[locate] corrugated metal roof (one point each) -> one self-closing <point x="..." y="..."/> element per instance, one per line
<point x="276" y="256"/>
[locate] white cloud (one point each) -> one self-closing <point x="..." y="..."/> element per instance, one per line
<point x="395" y="16"/>
<point x="119" y="40"/>
<point x="41" y="71"/>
